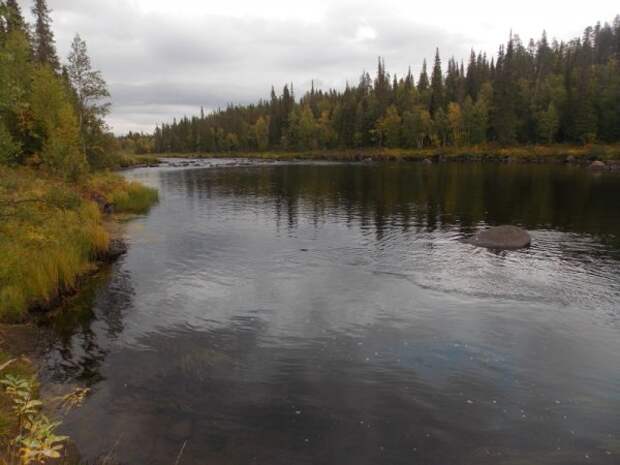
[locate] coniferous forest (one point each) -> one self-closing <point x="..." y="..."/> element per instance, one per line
<point x="539" y="92"/>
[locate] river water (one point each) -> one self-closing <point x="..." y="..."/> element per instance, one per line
<point x="323" y="313"/>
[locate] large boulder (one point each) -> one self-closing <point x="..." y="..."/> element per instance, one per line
<point x="502" y="238"/>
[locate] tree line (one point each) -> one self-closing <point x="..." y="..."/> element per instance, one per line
<point x="51" y="114"/>
<point x="539" y="92"/>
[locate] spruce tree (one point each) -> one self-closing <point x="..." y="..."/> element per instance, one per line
<point x="14" y="17"/>
<point x="423" y="82"/>
<point x="437" y="88"/>
<point x="44" y="43"/>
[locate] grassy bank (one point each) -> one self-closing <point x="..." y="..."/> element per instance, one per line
<point x="52" y="232"/>
<point x="530" y="153"/>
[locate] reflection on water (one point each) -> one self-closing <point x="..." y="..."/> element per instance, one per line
<point x="332" y="314"/>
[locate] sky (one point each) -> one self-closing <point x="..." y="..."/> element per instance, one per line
<point x="167" y="58"/>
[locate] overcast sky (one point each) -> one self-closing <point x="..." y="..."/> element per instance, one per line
<point x="166" y="58"/>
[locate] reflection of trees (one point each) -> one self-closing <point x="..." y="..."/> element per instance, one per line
<point x="87" y="325"/>
<point x="422" y="197"/>
<point x="237" y="395"/>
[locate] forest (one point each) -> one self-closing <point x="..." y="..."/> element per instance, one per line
<point x="539" y="92"/>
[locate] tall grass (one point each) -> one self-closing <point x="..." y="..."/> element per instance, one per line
<point x="52" y="232"/>
<point x="124" y="196"/>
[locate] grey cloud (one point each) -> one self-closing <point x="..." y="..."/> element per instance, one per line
<point x="160" y="66"/>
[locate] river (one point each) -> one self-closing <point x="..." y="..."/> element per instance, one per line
<point x="326" y="313"/>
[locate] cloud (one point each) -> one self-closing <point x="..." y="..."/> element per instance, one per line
<point x="161" y="65"/>
<point x="163" y="59"/>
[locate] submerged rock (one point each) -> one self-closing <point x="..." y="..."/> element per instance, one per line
<point x="118" y="247"/>
<point x="502" y="238"/>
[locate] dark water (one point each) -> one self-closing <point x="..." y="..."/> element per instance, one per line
<point x="331" y="314"/>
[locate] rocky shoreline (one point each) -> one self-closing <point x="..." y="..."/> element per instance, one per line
<point x="599" y="160"/>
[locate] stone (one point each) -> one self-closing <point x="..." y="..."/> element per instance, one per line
<point x="117" y="248"/>
<point x="598" y="165"/>
<point x="504" y="237"/>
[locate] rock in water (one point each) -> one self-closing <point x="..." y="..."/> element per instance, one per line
<point x="503" y="238"/>
<point x="118" y="247"/>
<point x="598" y="165"/>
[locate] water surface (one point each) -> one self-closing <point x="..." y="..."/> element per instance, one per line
<point x="333" y="314"/>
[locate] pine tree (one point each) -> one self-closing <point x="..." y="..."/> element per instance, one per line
<point x="44" y="43"/>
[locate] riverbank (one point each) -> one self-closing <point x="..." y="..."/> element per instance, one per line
<point x="54" y="232"/>
<point x="584" y="155"/>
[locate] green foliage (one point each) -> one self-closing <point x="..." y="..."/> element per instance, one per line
<point x="55" y="124"/>
<point x="47" y="119"/>
<point x="9" y="149"/>
<point x="547" y="124"/>
<point x="35" y="440"/>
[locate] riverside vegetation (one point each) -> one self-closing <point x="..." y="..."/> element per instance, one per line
<point x="55" y="154"/>
<point x="56" y="189"/>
